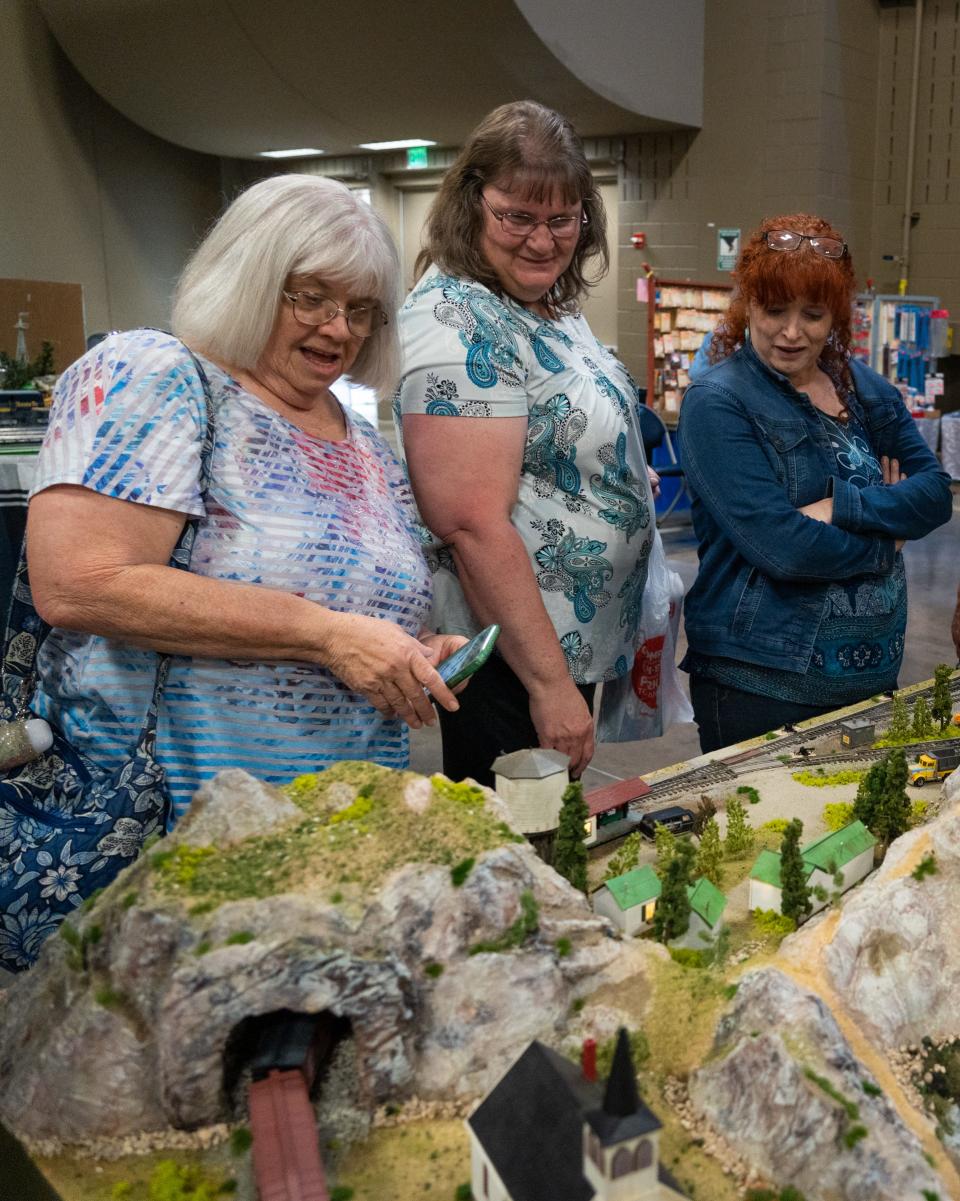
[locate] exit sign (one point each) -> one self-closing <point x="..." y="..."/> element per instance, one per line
<point x="417" y="156"/>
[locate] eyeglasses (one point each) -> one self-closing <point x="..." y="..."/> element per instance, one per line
<point x="522" y="225"/>
<point x="786" y="239"/>
<point x="311" y="309"/>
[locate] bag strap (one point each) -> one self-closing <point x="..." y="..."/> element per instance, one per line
<point x="26" y="630"/>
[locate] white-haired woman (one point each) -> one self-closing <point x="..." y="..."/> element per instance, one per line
<point x="296" y="634"/>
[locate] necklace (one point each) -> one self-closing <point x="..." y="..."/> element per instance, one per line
<point x="826" y="395"/>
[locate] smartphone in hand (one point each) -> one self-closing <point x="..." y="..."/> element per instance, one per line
<point x="469" y="658"/>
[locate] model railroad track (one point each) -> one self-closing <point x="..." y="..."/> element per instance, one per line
<point x="723" y="771"/>
<point x="869" y="754"/>
<point x="698" y="777"/>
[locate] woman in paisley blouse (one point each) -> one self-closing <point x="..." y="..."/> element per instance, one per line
<point x="807" y="476"/>
<point x="522" y="442"/>
<point x="297" y="636"/>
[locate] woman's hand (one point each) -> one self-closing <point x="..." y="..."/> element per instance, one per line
<point x="819" y="510"/>
<point x="564" y="723"/>
<point x="392" y="670"/>
<point x="654" y="482"/>
<point x="442" y="646"/>
<point x="891" y="470"/>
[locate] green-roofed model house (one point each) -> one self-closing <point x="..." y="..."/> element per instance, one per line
<point x="707" y="904"/>
<point x="629" y="900"/>
<point x="846" y="854"/>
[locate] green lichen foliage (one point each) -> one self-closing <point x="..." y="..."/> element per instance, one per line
<point x="336" y="847"/>
<point x="517" y="933"/>
<point x="181" y="1182"/>
<point x="822" y="779"/>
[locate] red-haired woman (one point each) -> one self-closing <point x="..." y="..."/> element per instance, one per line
<point x="807" y="476"/>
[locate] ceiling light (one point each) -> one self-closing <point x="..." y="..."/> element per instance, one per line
<point x="399" y="144"/>
<point x="303" y="152"/>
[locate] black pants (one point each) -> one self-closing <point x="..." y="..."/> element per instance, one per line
<point x="493" y="719"/>
<point x="726" y="715"/>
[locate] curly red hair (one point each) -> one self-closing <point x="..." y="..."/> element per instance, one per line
<point x="773" y="277"/>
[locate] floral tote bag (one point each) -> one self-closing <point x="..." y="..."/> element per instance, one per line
<point x="67" y="827"/>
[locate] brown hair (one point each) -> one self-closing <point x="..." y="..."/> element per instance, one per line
<point x="527" y="147"/>
<point x="771" y="277"/>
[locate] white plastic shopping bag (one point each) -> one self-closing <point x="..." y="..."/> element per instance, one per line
<point x="650" y="697"/>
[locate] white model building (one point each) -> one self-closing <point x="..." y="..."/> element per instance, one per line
<point x="550" y="1132"/>
<point x="846" y="854"/>
<point x="630" y="900"/>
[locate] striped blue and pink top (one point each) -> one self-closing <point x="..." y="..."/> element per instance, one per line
<point x="329" y="521"/>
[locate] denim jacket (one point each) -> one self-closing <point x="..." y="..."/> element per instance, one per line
<point x="754" y="452"/>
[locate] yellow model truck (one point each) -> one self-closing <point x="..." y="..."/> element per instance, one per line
<point x="933" y="766"/>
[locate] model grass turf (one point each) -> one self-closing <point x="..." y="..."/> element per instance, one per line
<point x="162" y="1176"/>
<point x="329" y="848"/>
<point x="416" y="1159"/>
<point x="681" y="1021"/>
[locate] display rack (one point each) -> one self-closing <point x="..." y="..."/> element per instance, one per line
<point x="892" y="333"/>
<point x="680" y="314"/>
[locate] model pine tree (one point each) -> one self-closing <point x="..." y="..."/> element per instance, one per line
<point x="626" y="859"/>
<point x="710" y="854"/>
<point x="942" y="708"/>
<point x="794" y="893"/>
<point x="672" y="914"/>
<point x="893" y="813"/>
<point x="869" y="796"/>
<point x="666" y="843"/>
<point x="899" y="720"/>
<point x="569" y="849"/>
<point x="739" y="840"/>
<point x="922" y="721"/>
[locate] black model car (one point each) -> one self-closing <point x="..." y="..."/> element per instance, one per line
<point x="677" y="820"/>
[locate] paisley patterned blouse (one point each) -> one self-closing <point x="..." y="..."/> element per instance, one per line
<point x="584" y="511"/>
<point x="330" y="521"/>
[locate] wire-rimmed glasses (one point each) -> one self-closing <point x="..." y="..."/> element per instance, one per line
<point x="522" y="225"/>
<point x="311" y="309"/>
<point x="787" y="239"/>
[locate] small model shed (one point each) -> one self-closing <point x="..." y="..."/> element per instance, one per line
<point x="610" y="806"/>
<point x="531" y="783"/>
<point x="857" y="731"/>
<point x="630" y="900"/>
<point x="846" y="854"/>
<point x="549" y="1132"/>
<point x="707" y="904"/>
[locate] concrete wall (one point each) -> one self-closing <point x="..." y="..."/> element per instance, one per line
<point x="86" y="196"/>
<point x="935" y="238"/>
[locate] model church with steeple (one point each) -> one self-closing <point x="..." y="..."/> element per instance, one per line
<point x="549" y="1131"/>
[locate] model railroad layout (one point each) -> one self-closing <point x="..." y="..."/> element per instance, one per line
<point x="292" y="1049"/>
<point x="790" y="742"/>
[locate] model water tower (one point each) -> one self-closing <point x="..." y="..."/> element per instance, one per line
<point x="531" y="783"/>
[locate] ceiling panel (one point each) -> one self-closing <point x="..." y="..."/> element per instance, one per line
<point x="236" y="77"/>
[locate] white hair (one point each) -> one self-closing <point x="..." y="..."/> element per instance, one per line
<point x="229" y="294"/>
